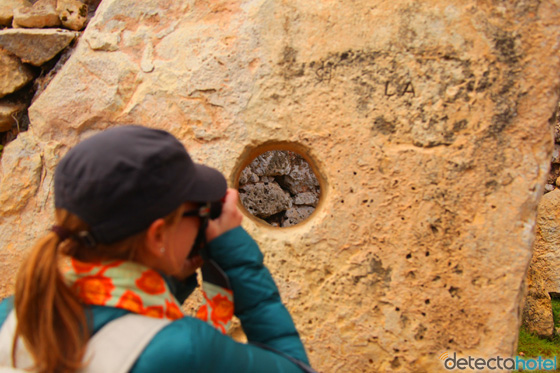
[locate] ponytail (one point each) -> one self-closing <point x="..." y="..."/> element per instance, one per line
<point x="51" y="320"/>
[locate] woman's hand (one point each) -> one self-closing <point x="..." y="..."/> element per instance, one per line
<point x="230" y="218"/>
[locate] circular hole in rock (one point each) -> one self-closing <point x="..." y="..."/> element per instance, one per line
<point x="279" y="187"/>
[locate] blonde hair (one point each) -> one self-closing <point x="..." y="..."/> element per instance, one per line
<point x="51" y="319"/>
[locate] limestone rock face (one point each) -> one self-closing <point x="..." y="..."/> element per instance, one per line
<point x="426" y="123"/>
<point x="544" y="273"/>
<point x="13" y="73"/>
<point x="41" y="14"/>
<point x="25" y="175"/>
<point x="36" y="46"/>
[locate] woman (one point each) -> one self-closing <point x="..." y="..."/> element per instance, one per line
<point x="129" y="210"/>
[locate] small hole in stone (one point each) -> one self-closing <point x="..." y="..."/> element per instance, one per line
<point x="408" y="256"/>
<point x="279" y="187"/>
<point x="427" y="301"/>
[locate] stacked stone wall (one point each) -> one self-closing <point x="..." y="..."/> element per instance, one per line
<point x="36" y="38"/>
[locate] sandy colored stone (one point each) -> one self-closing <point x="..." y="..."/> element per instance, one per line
<point x="40" y="14"/>
<point x="13" y="73"/>
<point x="72" y="13"/>
<point x="9" y="113"/>
<point x="36" y="46"/>
<point x="20" y="170"/>
<point x="427" y="124"/>
<point x="7" y="10"/>
<point x="543" y="276"/>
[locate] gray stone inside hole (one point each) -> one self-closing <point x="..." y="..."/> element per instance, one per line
<point x="280" y="188"/>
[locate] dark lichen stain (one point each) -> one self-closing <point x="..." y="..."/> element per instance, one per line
<point x="502" y="119"/>
<point x="376" y="267"/>
<point x="484" y="83"/>
<point x="383" y="126"/>
<point x="504" y="43"/>
<point x="289" y="65"/>
<point x="460" y="125"/>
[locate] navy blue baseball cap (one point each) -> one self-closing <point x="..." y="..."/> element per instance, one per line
<point x="120" y="180"/>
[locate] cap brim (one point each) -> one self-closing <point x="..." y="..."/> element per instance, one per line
<point x="210" y="185"/>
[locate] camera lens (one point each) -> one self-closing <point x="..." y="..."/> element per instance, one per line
<point x="215" y="209"/>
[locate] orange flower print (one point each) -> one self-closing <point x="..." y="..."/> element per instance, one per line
<point x="172" y="311"/>
<point x="82" y="267"/>
<point x="222" y="309"/>
<point x="151" y="282"/>
<point x="94" y="289"/>
<point x="131" y="301"/>
<point x="202" y="313"/>
<point x="154" y="311"/>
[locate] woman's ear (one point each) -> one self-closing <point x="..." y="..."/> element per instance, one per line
<point x="155" y="238"/>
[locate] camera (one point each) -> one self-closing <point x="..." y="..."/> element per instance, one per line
<point x="215" y="209"/>
<point x="211" y="211"/>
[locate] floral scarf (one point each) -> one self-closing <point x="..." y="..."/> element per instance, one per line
<point x="217" y="309"/>
<point x="142" y="290"/>
<point x="123" y="284"/>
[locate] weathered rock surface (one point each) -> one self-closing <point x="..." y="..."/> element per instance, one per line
<point x="7" y="10"/>
<point x="265" y="199"/>
<point x="273" y="163"/>
<point x="8" y="114"/>
<point x="72" y="13"/>
<point x="24" y="173"/>
<point x="427" y="124"/>
<point x="300" y="179"/>
<point x="296" y="214"/>
<point x="13" y="73"/>
<point x="40" y="14"/>
<point x="306" y="198"/>
<point x="36" y="46"/>
<point x="543" y="277"/>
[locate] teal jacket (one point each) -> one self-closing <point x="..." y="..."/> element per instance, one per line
<point x="190" y="345"/>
